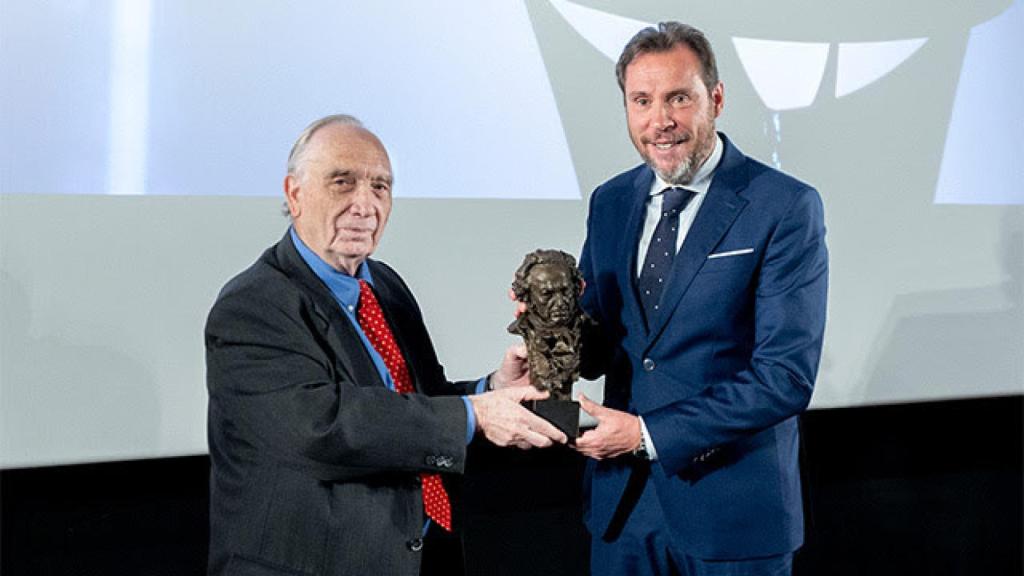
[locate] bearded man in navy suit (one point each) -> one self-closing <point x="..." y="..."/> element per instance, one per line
<point x="711" y="315"/>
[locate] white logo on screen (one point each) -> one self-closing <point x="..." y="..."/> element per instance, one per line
<point x="786" y="75"/>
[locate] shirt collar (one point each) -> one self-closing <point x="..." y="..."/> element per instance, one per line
<point x="702" y="179"/>
<point x="345" y="288"/>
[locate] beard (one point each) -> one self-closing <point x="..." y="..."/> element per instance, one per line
<point x="687" y="168"/>
<point x="684" y="172"/>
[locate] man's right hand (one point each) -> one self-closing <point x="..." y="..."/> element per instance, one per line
<point x="505" y="422"/>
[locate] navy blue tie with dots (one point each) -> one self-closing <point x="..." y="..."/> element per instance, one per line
<point x="662" y="250"/>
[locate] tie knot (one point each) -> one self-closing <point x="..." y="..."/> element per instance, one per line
<point x="364" y="289"/>
<point x="675" y="198"/>
<point x="367" y="299"/>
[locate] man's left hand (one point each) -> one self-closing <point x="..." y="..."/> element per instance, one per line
<point x="514" y="370"/>
<point x="617" y="432"/>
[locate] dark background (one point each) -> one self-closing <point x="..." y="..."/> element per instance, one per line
<point x="930" y="488"/>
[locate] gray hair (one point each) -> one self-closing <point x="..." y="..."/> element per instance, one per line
<point x="665" y="37"/>
<point x="299" y="148"/>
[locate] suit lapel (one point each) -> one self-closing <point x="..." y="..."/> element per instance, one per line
<point x="720" y="208"/>
<point x="634" y="228"/>
<point x="331" y="319"/>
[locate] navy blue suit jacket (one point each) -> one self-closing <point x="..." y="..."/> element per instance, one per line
<point x="722" y="371"/>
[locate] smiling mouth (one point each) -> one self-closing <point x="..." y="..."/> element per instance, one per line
<point x="674" y="140"/>
<point x="665" y="146"/>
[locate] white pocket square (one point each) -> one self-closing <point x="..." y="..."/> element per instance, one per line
<point x="730" y="253"/>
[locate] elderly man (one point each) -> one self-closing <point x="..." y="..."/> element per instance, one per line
<point x="707" y="273"/>
<point x="331" y="422"/>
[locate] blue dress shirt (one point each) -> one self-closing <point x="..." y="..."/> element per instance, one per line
<point x="345" y="290"/>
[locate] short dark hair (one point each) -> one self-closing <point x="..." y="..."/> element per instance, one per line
<point x="665" y="37"/>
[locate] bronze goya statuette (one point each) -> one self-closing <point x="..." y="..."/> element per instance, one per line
<point x="550" y="285"/>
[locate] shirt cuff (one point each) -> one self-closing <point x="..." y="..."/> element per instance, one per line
<point x="652" y="452"/>
<point x="470" y="419"/>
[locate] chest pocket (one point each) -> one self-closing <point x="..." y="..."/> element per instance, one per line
<point x="738" y="259"/>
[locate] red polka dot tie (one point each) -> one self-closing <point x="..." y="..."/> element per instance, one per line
<point x="371" y="320"/>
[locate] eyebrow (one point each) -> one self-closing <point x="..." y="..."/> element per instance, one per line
<point x="680" y="92"/>
<point x="338" y="172"/>
<point x="670" y="94"/>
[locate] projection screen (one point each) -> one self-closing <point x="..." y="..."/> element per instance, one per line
<point x="144" y="142"/>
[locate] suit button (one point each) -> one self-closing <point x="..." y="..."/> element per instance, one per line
<point x="648" y="364"/>
<point x="415" y="545"/>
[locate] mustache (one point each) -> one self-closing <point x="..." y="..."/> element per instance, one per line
<point x="674" y="137"/>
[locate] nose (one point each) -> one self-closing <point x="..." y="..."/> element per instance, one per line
<point x="663" y="117"/>
<point x="362" y="199"/>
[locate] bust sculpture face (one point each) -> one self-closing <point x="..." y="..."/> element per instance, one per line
<point x="552" y="294"/>
<point x="549" y="284"/>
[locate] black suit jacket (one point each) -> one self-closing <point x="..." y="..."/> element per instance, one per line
<point x="314" y="460"/>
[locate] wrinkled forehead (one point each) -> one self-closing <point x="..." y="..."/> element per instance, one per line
<point x="347" y="147"/>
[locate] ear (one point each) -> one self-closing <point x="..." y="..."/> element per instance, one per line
<point x="718" y="98"/>
<point x="292" y="191"/>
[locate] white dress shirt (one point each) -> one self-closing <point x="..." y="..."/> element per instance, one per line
<point x="699" y="185"/>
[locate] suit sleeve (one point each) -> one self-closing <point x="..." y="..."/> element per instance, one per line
<point x="276" y="392"/>
<point x="789" y="322"/>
